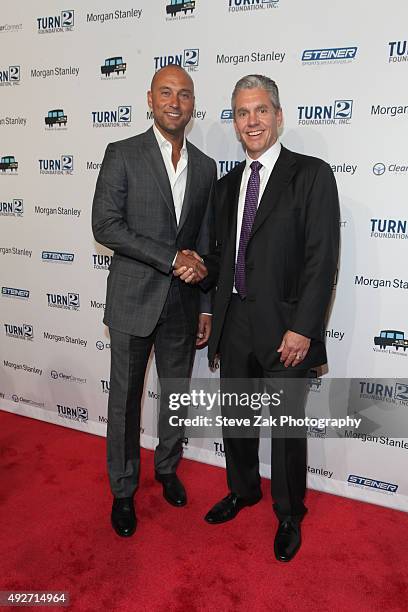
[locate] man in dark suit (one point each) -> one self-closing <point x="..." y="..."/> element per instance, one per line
<point x="278" y="236"/>
<point x="153" y="200"/>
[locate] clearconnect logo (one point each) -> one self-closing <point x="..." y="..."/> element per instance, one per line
<point x="379" y="168"/>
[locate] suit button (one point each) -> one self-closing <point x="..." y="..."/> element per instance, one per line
<point x="249" y="266"/>
<point x="251" y="298"/>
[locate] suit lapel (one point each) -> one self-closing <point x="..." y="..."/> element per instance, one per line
<point x="281" y="176"/>
<point x="155" y="161"/>
<point x="192" y="183"/>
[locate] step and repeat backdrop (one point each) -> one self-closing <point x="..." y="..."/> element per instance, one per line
<point x="74" y="78"/>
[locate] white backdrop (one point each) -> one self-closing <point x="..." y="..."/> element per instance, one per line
<point x="342" y="72"/>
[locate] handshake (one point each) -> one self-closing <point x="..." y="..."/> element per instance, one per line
<point x="189" y="267"/>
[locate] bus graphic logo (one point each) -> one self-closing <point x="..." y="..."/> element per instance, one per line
<point x="178" y="6"/>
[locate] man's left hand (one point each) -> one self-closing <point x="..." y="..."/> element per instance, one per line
<point x="204" y="329"/>
<point x="293" y="348"/>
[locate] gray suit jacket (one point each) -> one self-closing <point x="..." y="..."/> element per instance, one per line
<point x="133" y="214"/>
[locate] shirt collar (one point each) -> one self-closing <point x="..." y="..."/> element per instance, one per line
<point x="164" y="143"/>
<point x="267" y="159"/>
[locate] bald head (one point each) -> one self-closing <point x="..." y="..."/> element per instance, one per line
<point x="171" y="70"/>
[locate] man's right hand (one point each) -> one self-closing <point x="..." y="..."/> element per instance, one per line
<point x="189" y="267"/>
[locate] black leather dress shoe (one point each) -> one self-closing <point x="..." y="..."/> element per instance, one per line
<point x="123" y="516"/>
<point x="287" y="540"/>
<point x="173" y="489"/>
<point x="228" y="508"/>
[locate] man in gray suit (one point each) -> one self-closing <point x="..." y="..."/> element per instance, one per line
<point x="153" y="200"/>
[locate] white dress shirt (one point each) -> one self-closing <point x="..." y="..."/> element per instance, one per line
<point x="268" y="161"/>
<point x="178" y="176"/>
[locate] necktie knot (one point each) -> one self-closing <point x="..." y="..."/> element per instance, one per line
<point x="256" y="166"/>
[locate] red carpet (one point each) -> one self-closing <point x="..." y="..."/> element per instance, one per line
<point x="56" y="535"/>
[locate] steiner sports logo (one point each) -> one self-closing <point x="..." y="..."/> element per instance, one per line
<point x="121" y="117"/>
<point x="9" y="76"/>
<point x="23" y="331"/>
<point x="13" y="208"/>
<point x="57" y="257"/>
<point x="64" y="22"/>
<point x="398" y="51"/>
<point x="63" y="166"/>
<point x="175" y="8"/>
<point x="11" y="292"/>
<point x="396" y="394"/>
<point x="67" y="301"/>
<point x="188" y="59"/>
<point x="338" y="113"/>
<point x="235" y="6"/>
<point x="227" y="115"/>
<point x="329" y="56"/>
<point x="371" y="483"/>
<point x="78" y="414"/>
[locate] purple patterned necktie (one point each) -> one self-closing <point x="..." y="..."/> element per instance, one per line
<point x="250" y="208"/>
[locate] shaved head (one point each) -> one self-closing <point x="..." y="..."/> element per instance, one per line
<point x="170" y="70"/>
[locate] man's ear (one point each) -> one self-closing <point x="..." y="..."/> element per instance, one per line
<point x="149" y="99"/>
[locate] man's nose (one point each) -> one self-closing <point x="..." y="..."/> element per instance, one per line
<point x="174" y="101"/>
<point x="252" y="118"/>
